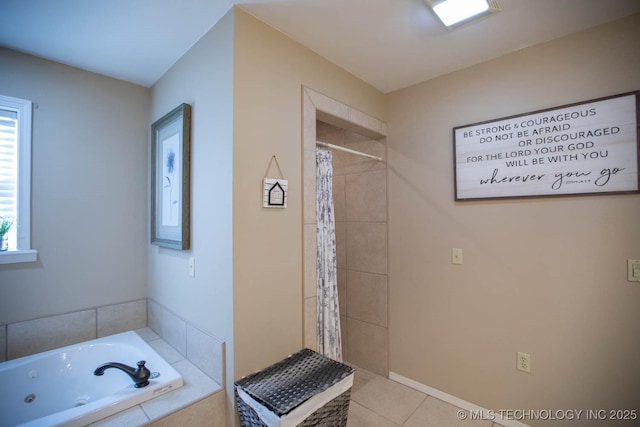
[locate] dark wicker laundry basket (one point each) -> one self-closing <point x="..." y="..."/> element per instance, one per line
<point x="286" y="385"/>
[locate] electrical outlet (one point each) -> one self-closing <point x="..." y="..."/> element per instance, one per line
<point x="523" y="362"/>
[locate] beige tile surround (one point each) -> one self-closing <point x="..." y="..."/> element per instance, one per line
<point x="198" y="357"/>
<point x="360" y="203"/>
<point x="187" y="341"/>
<point x="38" y="335"/>
<point x="3" y="343"/>
<point x="201" y="401"/>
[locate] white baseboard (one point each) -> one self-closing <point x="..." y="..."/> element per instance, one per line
<point x="453" y="400"/>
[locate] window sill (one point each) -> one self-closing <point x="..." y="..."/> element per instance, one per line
<point x="14" y="257"/>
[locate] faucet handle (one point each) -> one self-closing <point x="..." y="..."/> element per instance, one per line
<point x="141" y="375"/>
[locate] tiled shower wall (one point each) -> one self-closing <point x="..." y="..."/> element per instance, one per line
<point x="360" y="203"/>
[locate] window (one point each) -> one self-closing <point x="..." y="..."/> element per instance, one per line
<point x="15" y="177"/>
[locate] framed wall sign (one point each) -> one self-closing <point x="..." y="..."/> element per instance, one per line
<point x="274" y="193"/>
<point x="170" y="179"/>
<point x="583" y="148"/>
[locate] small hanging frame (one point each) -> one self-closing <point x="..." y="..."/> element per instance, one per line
<point x="274" y="190"/>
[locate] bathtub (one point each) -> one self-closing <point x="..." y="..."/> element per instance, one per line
<point x="58" y="388"/>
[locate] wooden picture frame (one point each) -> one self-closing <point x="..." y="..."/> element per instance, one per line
<point x="171" y="179"/>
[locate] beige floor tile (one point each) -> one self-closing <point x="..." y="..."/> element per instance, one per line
<point x="362" y="377"/>
<point x="436" y="413"/>
<point x="360" y="416"/>
<point x="390" y="399"/>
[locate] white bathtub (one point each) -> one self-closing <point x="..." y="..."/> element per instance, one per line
<point x="58" y="388"/>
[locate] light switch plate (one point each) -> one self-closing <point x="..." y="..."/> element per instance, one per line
<point x="633" y="270"/>
<point x="456" y="256"/>
<point x="192" y="267"/>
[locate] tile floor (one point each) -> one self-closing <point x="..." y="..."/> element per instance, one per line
<point x="379" y="402"/>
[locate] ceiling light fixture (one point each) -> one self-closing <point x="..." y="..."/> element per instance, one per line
<point x="455" y="12"/>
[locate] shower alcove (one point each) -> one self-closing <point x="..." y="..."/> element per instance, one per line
<point x="360" y="203"/>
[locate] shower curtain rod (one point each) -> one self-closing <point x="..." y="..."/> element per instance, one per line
<point x="348" y="150"/>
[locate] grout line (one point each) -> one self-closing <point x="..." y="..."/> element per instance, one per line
<point x="426" y="396"/>
<point x="375" y="376"/>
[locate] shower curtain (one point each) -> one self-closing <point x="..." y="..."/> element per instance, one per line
<point x="328" y="325"/>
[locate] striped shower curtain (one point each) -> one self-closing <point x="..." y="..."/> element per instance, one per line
<point x="328" y="326"/>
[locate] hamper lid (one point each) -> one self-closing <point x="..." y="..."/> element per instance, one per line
<point x="287" y="384"/>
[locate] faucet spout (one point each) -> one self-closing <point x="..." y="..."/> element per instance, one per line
<point x="139" y="375"/>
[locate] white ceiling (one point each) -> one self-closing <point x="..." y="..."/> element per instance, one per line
<point x="390" y="44"/>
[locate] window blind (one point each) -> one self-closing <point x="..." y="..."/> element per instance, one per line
<point x="8" y="163"/>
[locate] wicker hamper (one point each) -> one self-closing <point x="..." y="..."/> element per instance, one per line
<point x="305" y="389"/>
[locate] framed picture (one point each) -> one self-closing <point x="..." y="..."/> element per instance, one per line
<point x="170" y="179"/>
<point x="586" y="148"/>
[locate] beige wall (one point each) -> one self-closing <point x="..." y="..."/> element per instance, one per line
<point x="203" y="78"/>
<point x="89" y="190"/>
<point x="544" y="276"/>
<point x="270" y="70"/>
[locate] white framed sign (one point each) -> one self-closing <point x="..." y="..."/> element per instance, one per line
<point x="583" y="148"/>
<point x="274" y="193"/>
